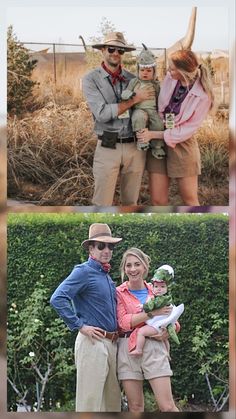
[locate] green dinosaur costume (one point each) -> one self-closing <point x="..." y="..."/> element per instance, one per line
<point x="164" y="274"/>
<point x="144" y="114"/>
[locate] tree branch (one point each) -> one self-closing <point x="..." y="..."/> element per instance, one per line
<point x="19" y="394"/>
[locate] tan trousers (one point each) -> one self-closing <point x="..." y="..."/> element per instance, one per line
<point x="125" y="160"/>
<point x="97" y="387"/>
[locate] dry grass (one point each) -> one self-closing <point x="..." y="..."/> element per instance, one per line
<point x="50" y="156"/>
<point x="50" y="152"/>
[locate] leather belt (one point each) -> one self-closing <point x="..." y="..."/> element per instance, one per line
<point x="113" y="336"/>
<point x="122" y="140"/>
<point x="125" y="335"/>
<point x="125" y="140"/>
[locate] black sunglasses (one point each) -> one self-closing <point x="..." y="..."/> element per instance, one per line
<point x="180" y="93"/>
<point x="102" y="245"/>
<point x="112" y="49"/>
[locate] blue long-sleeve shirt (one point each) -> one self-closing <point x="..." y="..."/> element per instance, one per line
<point x="87" y="297"/>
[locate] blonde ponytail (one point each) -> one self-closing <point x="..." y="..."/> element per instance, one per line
<point x="206" y="82"/>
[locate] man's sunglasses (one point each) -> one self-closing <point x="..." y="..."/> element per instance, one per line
<point x="101" y="246"/>
<point x="112" y="49"/>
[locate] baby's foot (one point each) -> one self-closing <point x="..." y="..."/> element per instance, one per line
<point x="158" y="152"/>
<point x="143" y="146"/>
<point x="136" y="352"/>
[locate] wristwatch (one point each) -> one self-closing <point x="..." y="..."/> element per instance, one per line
<point x="150" y="315"/>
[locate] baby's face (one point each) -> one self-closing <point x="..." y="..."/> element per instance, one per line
<point x="159" y="288"/>
<point x="146" y="73"/>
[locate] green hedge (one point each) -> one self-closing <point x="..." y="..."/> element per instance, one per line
<point x="43" y="248"/>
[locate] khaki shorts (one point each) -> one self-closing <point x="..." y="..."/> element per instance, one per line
<point x="182" y="161"/>
<point x="152" y="364"/>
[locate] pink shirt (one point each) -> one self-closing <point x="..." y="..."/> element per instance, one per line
<point x="127" y="305"/>
<point x="193" y="110"/>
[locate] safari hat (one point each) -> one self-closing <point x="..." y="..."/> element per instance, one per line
<point x="114" y="39"/>
<point x="100" y="233"/>
<point x="163" y="274"/>
<point x="146" y="58"/>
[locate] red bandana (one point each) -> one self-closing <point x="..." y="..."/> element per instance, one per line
<point x="115" y="76"/>
<point x="105" y="266"/>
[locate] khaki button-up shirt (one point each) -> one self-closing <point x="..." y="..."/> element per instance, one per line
<point x="102" y="98"/>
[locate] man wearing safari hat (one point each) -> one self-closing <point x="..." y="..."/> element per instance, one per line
<point x="86" y="301"/>
<point x="116" y="152"/>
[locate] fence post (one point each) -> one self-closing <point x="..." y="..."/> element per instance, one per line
<point x="54" y="64"/>
<point x="222" y="92"/>
<point x="65" y="64"/>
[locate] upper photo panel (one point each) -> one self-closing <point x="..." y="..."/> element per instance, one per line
<point x="118" y="105"/>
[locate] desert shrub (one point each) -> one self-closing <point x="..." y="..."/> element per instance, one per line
<point x="50" y="155"/>
<point x="19" y="71"/>
<point x="208" y="63"/>
<point x="213" y="138"/>
<point x="53" y="154"/>
<point x="43" y="248"/>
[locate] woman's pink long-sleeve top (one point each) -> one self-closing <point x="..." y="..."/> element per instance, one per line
<point x="193" y="110"/>
<point x="127" y="305"/>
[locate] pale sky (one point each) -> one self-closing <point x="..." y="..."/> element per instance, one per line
<point x="155" y="23"/>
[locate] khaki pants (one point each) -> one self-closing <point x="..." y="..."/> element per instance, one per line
<point x="108" y="163"/>
<point x="97" y="387"/>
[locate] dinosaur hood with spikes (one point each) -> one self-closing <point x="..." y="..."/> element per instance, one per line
<point x="146" y="58"/>
<point x="164" y="274"/>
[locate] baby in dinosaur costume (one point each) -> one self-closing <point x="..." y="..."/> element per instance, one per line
<point x="145" y="114"/>
<point x="162" y="282"/>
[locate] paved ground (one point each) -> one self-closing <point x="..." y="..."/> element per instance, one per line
<point x="14" y="202"/>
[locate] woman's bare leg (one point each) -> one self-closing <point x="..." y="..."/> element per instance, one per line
<point x="159" y="188"/>
<point x="134" y="393"/>
<point x="161" y="388"/>
<point x="188" y="189"/>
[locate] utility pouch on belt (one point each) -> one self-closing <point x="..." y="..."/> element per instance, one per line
<point x="108" y="139"/>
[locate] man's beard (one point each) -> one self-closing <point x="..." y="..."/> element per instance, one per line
<point x="113" y="64"/>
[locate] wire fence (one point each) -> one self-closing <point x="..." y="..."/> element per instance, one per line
<point x="64" y="58"/>
<point x="59" y="57"/>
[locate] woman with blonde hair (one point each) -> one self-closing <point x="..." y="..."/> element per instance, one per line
<point x="185" y="98"/>
<point x="153" y="364"/>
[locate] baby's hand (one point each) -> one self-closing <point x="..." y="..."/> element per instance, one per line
<point x="140" y="307"/>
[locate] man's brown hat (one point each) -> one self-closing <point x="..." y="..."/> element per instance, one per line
<point x="114" y="39"/>
<point x="100" y="233"/>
